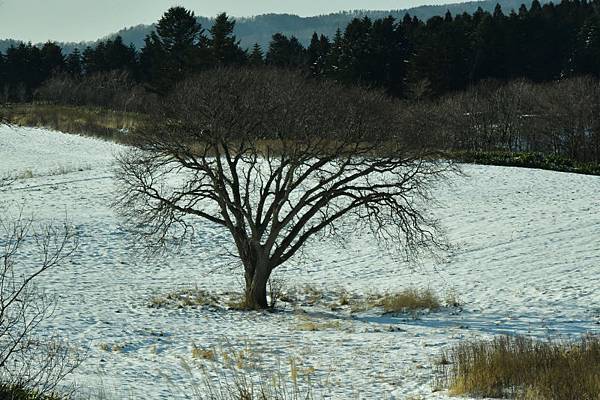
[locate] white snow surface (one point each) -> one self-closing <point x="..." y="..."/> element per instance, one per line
<point x="526" y="260"/>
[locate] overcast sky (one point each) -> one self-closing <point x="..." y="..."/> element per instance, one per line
<point x="79" y="20"/>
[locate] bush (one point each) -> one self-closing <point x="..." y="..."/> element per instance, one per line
<point x="410" y="300"/>
<point x="526" y="159"/>
<point x="523" y="368"/>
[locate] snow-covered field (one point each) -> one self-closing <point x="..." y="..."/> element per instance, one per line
<point x="526" y="260"/>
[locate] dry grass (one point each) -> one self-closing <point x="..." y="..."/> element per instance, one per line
<point x="312" y="295"/>
<point x="247" y="382"/>
<point x="117" y="347"/>
<point x="92" y="121"/>
<point x="522" y="368"/>
<point x="202" y="353"/>
<point x="452" y="299"/>
<point x="237" y="302"/>
<point x="189" y="297"/>
<point x="409" y="300"/>
<point x="313" y="326"/>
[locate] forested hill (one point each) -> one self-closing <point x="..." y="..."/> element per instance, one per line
<point x="260" y="29"/>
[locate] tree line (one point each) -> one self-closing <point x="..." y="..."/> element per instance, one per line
<point x="409" y="58"/>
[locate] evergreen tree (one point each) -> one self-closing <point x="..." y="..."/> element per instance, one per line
<point x="256" y="57"/>
<point x="357" y="53"/>
<point x="23" y="70"/>
<point x="152" y="59"/>
<point x="586" y="55"/>
<point x="489" y="44"/>
<point x="284" y="52"/>
<point x="52" y="60"/>
<point x="3" y="79"/>
<point x="389" y="55"/>
<point x="118" y="56"/>
<point x="73" y="63"/>
<point x="109" y="55"/>
<point x="334" y="62"/>
<point x="317" y="53"/>
<point x="177" y="47"/>
<point x="89" y="60"/>
<point x="225" y="48"/>
<point x="442" y="54"/>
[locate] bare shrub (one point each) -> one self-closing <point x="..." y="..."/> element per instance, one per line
<point x="28" y="360"/>
<point x="114" y="90"/>
<point x="557" y="118"/>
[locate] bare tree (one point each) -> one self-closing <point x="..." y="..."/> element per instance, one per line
<point x="277" y="160"/>
<point x="27" y="360"/>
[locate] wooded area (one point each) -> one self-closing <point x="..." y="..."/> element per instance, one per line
<point x="409" y="57"/>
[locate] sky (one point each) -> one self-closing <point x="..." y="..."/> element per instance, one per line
<point x="85" y="20"/>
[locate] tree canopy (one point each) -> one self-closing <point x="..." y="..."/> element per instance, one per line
<point x="443" y="54"/>
<point x="277" y="160"/>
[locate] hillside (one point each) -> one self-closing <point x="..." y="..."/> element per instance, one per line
<point x="259" y="29"/>
<point x="525" y="260"/>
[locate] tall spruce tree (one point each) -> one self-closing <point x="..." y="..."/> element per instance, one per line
<point x="256" y="57"/>
<point x="334" y="63"/>
<point x="356" y="58"/>
<point x="317" y="53"/>
<point x="73" y="63"/>
<point x="224" y="47"/>
<point x="176" y="48"/>
<point x="389" y="55"/>
<point x="284" y="52"/>
<point x="3" y="80"/>
<point x="586" y="54"/>
<point x="52" y="60"/>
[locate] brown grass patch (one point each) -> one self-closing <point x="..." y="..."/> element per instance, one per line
<point x="92" y="121"/>
<point x="523" y="368"/>
<point x="409" y="300"/>
<point x="189" y="297"/>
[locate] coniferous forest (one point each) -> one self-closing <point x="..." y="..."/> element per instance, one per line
<point x="464" y="66"/>
<point x="443" y="54"/>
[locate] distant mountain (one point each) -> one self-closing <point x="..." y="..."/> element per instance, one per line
<point x="261" y="28"/>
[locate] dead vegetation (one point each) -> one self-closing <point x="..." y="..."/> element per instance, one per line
<point x="186" y="297"/>
<point x="91" y="121"/>
<point x="230" y="374"/>
<point x="524" y="368"/>
<point x="409" y="300"/>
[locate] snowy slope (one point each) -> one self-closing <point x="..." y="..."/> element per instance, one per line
<point x="526" y="260"/>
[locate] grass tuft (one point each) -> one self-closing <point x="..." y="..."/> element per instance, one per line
<point x="313" y="326"/>
<point x="409" y="300"/>
<point x="189" y="297"/>
<point x="202" y="353"/>
<point x="238" y="302"/>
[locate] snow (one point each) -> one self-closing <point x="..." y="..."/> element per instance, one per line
<point x="526" y="259"/>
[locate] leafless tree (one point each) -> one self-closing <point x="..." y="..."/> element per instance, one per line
<point x="26" y="359"/>
<point x="113" y="90"/>
<point x="557" y="118"/>
<point x="277" y="160"/>
<point x="570" y="110"/>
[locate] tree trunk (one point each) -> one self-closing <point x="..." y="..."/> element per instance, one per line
<point x="256" y="286"/>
